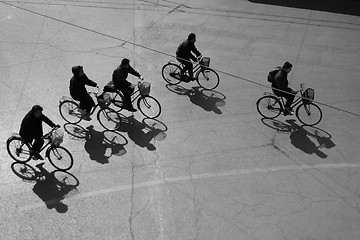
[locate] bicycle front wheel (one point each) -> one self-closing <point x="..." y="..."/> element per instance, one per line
<point x="109" y="118"/>
<point x="149" y="106"/>
<point x="208" y="79"/>
<point x="309" y="114"/>
<point x="69" y="111"/>
<point x="60" y="157"/>
<point x="269" y="107"/>
<point x="171" y="73"/>
<point x="18" y="149"/>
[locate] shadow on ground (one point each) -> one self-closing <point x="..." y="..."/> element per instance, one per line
<point x="51" y="187"/>
<point x="143" y="133"/>
<point x="350" y="7"/>
<point x="301" y="136"/>
<point x="99" y="145"/>
<point x="209" y="100"/>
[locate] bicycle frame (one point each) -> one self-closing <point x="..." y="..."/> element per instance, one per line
<point x="196" y="67"/>
<point x="134" y="95"/>
<point x="296" y="102"/>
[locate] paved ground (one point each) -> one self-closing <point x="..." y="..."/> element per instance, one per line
<point x="217" y="170"/>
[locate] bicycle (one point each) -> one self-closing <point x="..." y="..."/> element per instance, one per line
<point x="148" y="105"/>
<point x="107" y="117"/>
<point x="271" y="106"/>
<point x="206" y="77"/>
<point x="21" y="151"/>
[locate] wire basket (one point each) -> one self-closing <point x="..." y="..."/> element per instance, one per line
<point x="205" y="61"/>
<point x="104" y="101"/>
<point x="144" y="88"/>
<point x="308" y="96"/>
<point x="56" y="137"/>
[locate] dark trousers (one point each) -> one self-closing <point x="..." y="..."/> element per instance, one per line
<point x="37" y="144"/>
<point x="287" y="95"/>
<point x="188" y="66"/>
<point x="127" y="91"/>
<point x="86" y="103"/>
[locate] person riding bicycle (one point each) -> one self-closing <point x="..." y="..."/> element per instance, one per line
<point x="120" y="83"/>
<point x="79" y="93"/>
<point x="184" y="55"/>
<point x="31" y="129"/>
<point x="281" y="83"/>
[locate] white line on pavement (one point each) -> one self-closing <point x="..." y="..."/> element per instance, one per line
<point x="199" y="176"/>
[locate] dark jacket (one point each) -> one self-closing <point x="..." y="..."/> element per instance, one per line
<point x="77" y="85"/>
<point x="120" y="75"/>
<point x="281" y="82"/>
<point x="31" y="127"/>
<point x="184" y="50"/>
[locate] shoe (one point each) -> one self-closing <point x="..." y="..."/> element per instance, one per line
<point x="37" y="156"/>
<point x="131" y="109"/>
<point x="185" y="78"/>
<point x="288" y="112"/>
<point x="86" y="117"/>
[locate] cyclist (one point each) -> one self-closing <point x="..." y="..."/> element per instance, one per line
<point x="281" y="83"/>
<point x="79" y="93"/>
<point x="31" y="129"/>
<point x="184" y="55"/>
<point x="119" y="77"/>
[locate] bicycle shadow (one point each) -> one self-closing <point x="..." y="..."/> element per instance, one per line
<point x="144" y="132"/>
<point x="46" y="186"/>
<point x="97" y="145"/>
<point x="300" y="136"/>
<point x="209" y="100"/>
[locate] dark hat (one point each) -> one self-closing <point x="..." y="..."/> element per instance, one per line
<point x="36" y="107"/>
<point x="287" y="65"/>
<point x="76" y="70"/>
<point x="124" y="62"/>
<point x="191" y="36"/>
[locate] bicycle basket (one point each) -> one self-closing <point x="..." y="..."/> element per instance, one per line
<point x="56" y="137"/>
<point x="308" y="96"/>
<point x="144" y="88"/>
<point x="104" y="101"/>
<point x="205" y="62"/>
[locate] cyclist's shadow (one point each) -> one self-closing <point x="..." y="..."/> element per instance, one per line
<point x="209" y="100"/>
<point x="142" y="133"/>
<point x="98" y="147"/>
<point x="300" y="136"/>
<point x="47" y="186"/>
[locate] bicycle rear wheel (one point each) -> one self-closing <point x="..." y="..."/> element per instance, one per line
<point x="109" y="118"/>
<point x="309" y="114"/>
<point x="269" y="107"/>
<point x="60" y="157"/>
<point x="208" y="79"/>
<point x="24" y="171"/>
<point x="149" y="106"/>
<point x="69" y="111"/>
<point x="171" y="73"/>
<point x="18" y="149"/>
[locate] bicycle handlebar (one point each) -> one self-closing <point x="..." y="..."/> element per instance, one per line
<point x="46" y="135"/>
